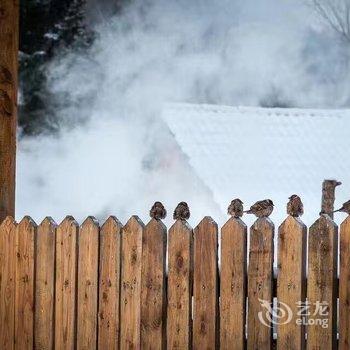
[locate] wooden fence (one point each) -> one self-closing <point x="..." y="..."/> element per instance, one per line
<point x="68" y="286"/>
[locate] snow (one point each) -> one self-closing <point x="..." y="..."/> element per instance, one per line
<point x="257" y="153"/>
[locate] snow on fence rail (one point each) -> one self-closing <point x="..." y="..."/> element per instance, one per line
<point x="68" y="286"/>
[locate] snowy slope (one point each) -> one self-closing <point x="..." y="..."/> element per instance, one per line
<point x="256" y="153"/>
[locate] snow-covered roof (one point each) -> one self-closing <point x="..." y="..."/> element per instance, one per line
<point x="257" y="153"/>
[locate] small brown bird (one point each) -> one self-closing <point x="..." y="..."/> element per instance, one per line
<point x="6" y="107"/>
<point x="235" y="209"/>
<point x="295" y="206"/>
<point x="182" y="211"/>
<point x="345" y="208"/>
<point x="261" y="209"/>
<point x="5" y="76"/>
<point x="157" y="211"/>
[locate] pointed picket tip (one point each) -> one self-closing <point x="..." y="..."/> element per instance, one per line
<point x="27" y="221"/>
<point x="133" y="222"/>
<point x="156" y="224"/>
<point x="207" y="220"/>
<point x="68" y="221"/>
<point x="8" y="222"/>
<point x="48" y="222"/>
<point x="180" y="224"/>
<point x="323" y="221"/>
<point x="346" y="221"/>
<point x="112" y="221"/>
<point x="292" y="221"/>
<point x="90" y="221"/>
<point x="233" y="222"/>
<point x="263" y="223"/>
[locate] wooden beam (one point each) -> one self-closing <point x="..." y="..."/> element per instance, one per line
<point x="9" y="13"/>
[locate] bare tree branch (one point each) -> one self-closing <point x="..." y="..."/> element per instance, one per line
<point x="336" y="13"/>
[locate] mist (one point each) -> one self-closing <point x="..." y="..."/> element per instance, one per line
<point x="114" y="154"/>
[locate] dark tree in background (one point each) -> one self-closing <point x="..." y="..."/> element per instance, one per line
<point x="46" y="28"/>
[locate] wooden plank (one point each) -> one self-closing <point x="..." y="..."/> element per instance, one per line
<point x="130" y="294"/>
<point x="88" y="284"/>
<point x="180" y="272"/>
<point x="233" y="284"/>
<point x="24" y="302"/>
<point x="260" y="278"/>
<point x="8" y="104"/>
<point x="153" y="286"/>
<point x="321" y="287"/>
<point x="7" y="283"/>
<point x="205" y="285"/>
<point x="45" y="284"/>
<point x="291" y="282"/>
<point x="65" y="286"/>
<point x="109" y="284"/>
<point x="344" y="286"/>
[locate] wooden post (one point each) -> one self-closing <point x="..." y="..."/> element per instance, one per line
<point x="8" y="104"/>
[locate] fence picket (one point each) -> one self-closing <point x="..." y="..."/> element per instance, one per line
<point x="65" y="286"/>
<point x="179" y="322"/>
<point x="233" y="284"/>
<point x="205" y="285"/>
<point x="260" y="279"/>
<point x="130" y="294"/>
<point x="321" y="287"/>
<point x="153" y="288"/>
<point x="7" y="283"/>
<point x="291" y="282"/>
<point x="344" y="286"/>
<point x="87" y="284"/>
<point x="109" y="285"/>
<point x="24" y="307"/>
<point x="45" y="284"/>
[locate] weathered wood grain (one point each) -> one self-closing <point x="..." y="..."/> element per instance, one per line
<point x="87" y="284"/>
<point x="233" y="284"/>
<point x="344" y="286"/>
<point x="25" y="278"/>
<point x="180" y="273"/>
<point x="45" y="284"/>
<point x="321" y="286"/>
<point x="9" y="19"/>
<point x="130" y="295"/>
<point x="7" y="282"/>
<point x="291" y="282"/>
<point x="205" y="285"/>
<point x="153" y="286"/>
<point x="260" y="278"/>
<point x="109" y="284"/>
<point x="66" y="284"/>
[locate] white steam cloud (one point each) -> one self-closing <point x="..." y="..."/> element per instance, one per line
<point x="121" y="157"/>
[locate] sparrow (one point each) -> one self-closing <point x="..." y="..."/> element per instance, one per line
<point x="5" y="76"/>
<point x="235" y="209"/>
<point x="295" y="206"/>
<point x="261" y="209"/>
<point x="182" y="211"/>
<point x="345" y="208"/>
<point x="157" y="211"/>
<point x="5" y="104"/>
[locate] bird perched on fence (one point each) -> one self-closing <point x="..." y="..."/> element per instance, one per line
<point x="5" y="76"/>
<point x="182" y="211"/>
<point x="261" y="209"/>
<point x="157" y="211"/>
<point x="345" y="208"/>
<point x="235" y="208"/>
<point x="6" y="107"/>
<point x="295" y="206"/>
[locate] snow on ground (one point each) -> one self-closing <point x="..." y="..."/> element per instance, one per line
<point x="257" y="153"/>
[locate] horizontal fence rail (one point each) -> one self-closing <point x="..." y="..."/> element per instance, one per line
<point x="137" y="286"/>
